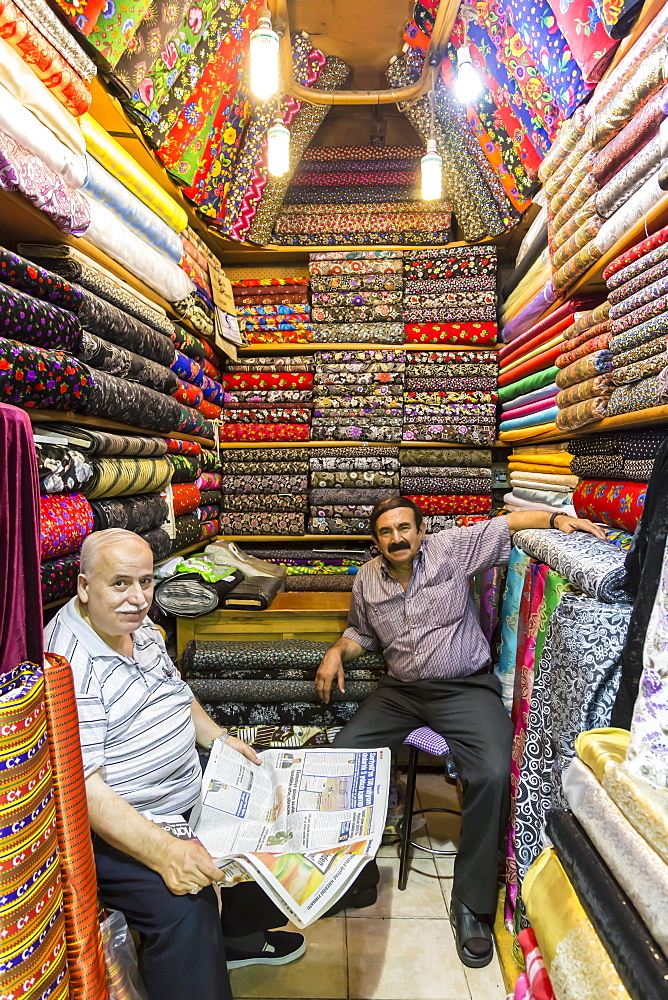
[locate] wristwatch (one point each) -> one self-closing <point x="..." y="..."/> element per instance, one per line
<point x="557" y="513"/>
<point x="223" y="738"/>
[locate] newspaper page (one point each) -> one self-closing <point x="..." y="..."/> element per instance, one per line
<point x="294" y="802"/>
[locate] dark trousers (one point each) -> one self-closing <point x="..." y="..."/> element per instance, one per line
<point x="469" y="714"/>
<point x="181" y="955"/>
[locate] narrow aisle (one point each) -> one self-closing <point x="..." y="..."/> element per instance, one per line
<point x="402" y="948"/>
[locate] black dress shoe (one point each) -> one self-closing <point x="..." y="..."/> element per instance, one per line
<point x="468" y="928"/>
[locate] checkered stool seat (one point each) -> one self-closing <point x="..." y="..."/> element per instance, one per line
<point x="428" y="741"/>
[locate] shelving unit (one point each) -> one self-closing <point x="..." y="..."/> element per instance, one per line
<point x="319" y="346"/>
<point x="103" y="424"/>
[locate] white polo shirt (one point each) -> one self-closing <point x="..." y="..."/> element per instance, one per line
<point x="134" y="714"/>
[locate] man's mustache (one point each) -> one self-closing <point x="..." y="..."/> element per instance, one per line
<point x="398" y="546"/>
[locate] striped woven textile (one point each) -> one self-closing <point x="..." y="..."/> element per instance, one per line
<point x="32" y="924"/>
<point x="82" y="927"/>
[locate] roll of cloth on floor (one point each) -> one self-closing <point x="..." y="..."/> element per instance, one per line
<point x="599" y="386"/>
<point x="61" y="469"/>
<point x="528" y="384"/>
<point x="618" y="504"/>
<point x="17" y="121"/>
<point x="596" y="567"/>
<point x="296" y="659"/>
<point x="636" y="135"/>
<point x="240" y="502"/>
<point x="636" y="867"/>
<point x="646" y="394"/>
<point x="579" y="414"/>
<point x="85" y="958"/>
<point x="32" y="915"/>
<point x="129" y="402"/>
<point x="626" y="939"/>
<point x="185" y="468"/>
<point x="578" y="964"/>
<point x="104" y="188"/>
<point x="117" y="361"/>
<point x="274" y="690"/>
<point x="65" y="520"/>
<point x="44" y="60"/>
<point x="438" y="486"/>
<point x="187" y="531"/>
<point x="574" y="690"/>
<point x="299" y="715"/>
<point x="23" y="171"/>
<point x="531" y="420"/>
<point x="262" y="523"/>
<point x="59" y="578"/>
<point x="93" y="442"/>
<point x="134" y="513"/>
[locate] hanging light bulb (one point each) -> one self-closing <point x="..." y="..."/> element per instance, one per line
<point x="278" y="149"/>
<point x="264" y="43"/>
<point x="468" y="84"/>
<point x="431" y="166"/>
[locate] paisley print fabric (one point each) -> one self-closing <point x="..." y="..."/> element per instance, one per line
<point x="596" y="567"/>
<point x="262" y="523"/>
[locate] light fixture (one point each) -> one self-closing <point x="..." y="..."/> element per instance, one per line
<point x="468" y="84"/>
<point x="264" y="43"/>
<point x="278" y="149"/>
<point x="431" y="164"/>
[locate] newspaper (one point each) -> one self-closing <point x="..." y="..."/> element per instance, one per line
<point x="303" y="823"/>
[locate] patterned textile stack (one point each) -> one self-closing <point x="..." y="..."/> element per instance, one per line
<point x="584" y="362"/>
<point x="360" y="195"/>
<point x="356" y="296"/>
<point x="194" y="495"/>
<point x="274" y="310"/>
<point x="346" y="483"/>
<point x="450" y="295"/>
<point x="268" y="399"/>
<point x="316" y="569"/>
<point x="541" y="478"/>
<point x="359" y="395"/>
<point x="447" y="481"/>
<point x="264" y="491"/>
<point x="450" y="396"/>
<point x="271" y="683"/>
<point x="194" y="261"/>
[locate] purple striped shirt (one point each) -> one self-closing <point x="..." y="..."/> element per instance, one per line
<point x="432" y="630"/>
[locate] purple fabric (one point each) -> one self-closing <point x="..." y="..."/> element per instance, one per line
<point x="427" y="740"/>
<point x="21" y="610"/>
<point x="525" y="319"/>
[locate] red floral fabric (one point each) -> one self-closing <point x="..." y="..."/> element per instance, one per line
<point x="615" y="503"/>
<point x="186" y="497"/>
<point x="452" y="504"/>
<point x="65" y="520"/>
<point x="268" y="380"/>
<point x="265" y="432"/>
<point x="450" y="333"/>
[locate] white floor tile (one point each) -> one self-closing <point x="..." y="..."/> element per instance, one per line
<point x="421" y="899"/>
<point x="487" y="983"/>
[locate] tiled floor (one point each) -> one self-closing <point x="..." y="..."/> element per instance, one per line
<point x="400" y="949"/>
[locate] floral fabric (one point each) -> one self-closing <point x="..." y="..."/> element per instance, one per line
<point x="451" y="333"/>
<point x="617" y="504"/>
<point x="65" y="520"/>
<point x="61" y="469"/>
<point x="265" y="432"/>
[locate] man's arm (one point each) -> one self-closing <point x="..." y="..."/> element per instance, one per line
<point x="519" y="519"/>
<point x="206" y="730"/>
<point x="331" y="666"/>
<point x="183" y="865"/>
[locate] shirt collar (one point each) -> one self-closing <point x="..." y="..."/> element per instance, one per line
<point x="418" y="559"/>
<point x="94" y="645"/>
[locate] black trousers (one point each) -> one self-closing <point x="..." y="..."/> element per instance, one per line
<point x="469" y="714"/>
<point x="181" y="955"/>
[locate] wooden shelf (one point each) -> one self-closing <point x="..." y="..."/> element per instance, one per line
<point x="103" y="424"/>
<point x="289" y="348"/>
<point x="621" y="422"/>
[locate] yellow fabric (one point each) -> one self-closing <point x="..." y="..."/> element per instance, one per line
<point x="540" y="449"/>
<point x="528" y="433"/>
<point x="549" y="470"/>
<point x="509" y="312"/>
<point x="125" y="168"/>
<point x="544" y="456"/>
<point x="530" y="276"/>
<point x="578" y="964"/>
<point x="27" y="88"/>
<point x="536" y="351"/>
<point x="599" y="746"/>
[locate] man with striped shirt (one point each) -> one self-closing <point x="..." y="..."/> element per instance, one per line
<point x="414" y="602"/>
<point x="139" y="728"/>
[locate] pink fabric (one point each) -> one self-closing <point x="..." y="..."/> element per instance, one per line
<point x="522" y="411"/>
<point x="522" y="990"/>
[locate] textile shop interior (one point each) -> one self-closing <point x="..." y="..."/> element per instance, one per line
<point x="260" y="270"/>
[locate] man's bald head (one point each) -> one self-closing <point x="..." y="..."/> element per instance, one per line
<point x="115" y="586"/>
<point x="118" y="539"/>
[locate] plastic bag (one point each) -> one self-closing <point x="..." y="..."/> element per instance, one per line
<point x="120" y="959"/>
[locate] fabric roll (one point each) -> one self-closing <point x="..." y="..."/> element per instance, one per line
<point x="630" y="179"/>
<point x="191" y="594"/>
<point x="528" y="384"/>
<point x="530" y="420"/>
<point x="599" y="386"/>
<point x="444" y="486"/>
<point x="159" y="543"/>
<point x="65" y="520"/>
<point x="588" y="411"/>
<point x="186" y="498"/>
<point x="618" y="152"/>
<point x="187" y="532"/>
<point x="645" y="394"/>
<point x="631" y="212"/>
<point x="260" y="522"/>
<point x="185" y="468"/>
<point x="544" y="481"/>
<point x="19" y="122"/>
<point x="94" y="442"/>
<point x="273" y="691"/>
<point x="114" y="360"/>
<point x="129" y="402"/>
<point x="623" y="934"/>
<point x="139" y="513"/>
<point x="445" y="504"/>
<point x="596" y="567"/>
<point x="550" y="498"/>
<point x="61" y="469"/>
<point x="238" y="503"/>
<point x="591" y="346"/>
<point x="38" y="323"/>
<point x="59" y="578"/>
<point x="597" y="363"/>
<point x="618" y="504"/>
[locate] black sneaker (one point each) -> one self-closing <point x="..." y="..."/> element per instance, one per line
<point x="280" y="948"/>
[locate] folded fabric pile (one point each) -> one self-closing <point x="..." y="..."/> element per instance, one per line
<point x="264" y="491"/>
<point x="637" y="282"/>
<point x="274" y="310"/>
<point x="272" y="683"/>
<point x="346" y="483"/>
<point x="541" y="478"/>
<point x="195" y="262"/>
<point x="584" y="363"/>
<point x="451" y="395"/>
<point x="268" y="399"/>
<point x="358" y="395"/>
<point x="450" y="295"/>
<point x="194" y="494"/>
<point x="309" y="569"/>
<point x="449" y="481"/>
<point x="356" y="296"/>
<point x="359" y="195"/>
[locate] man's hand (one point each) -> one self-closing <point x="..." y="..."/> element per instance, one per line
<point x="243" y="749"/>
<point x="329" y="671"/>
<point x="185" y="866"/>
<point x="568" y="524"/>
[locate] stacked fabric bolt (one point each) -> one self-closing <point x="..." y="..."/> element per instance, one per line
<point x="456" y="286"/>
<point x="315" y="569"/>
<point x="359" y="195"/>
<point x="356" y="296"/>
<point x="637" y="283"/>
<point x="450" y="396"/>
<point x="450" y="481"/>
<point x="267" y="402"/>
<point x="264" y="491"/>
<point x="196" y="266"/>
<point x="345" y="484"/>
<point x="271" y="683"/>
<point x="195" y="472"/>
<point x="541" y="478"/>
<point x="273" y="310"/>
<point x="584" y="362"/>
<point x="358" y="395"/>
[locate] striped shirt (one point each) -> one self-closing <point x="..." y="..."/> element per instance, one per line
<point x="135" y="723"/>
<point x="432" y="630"/>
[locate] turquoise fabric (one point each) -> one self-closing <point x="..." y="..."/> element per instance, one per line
<point x="531" y="419"/>
<point x="518" y="565"/>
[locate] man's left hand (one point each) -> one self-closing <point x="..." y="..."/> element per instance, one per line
<point x="568" y="524"/>
<point x="243" y="749"/>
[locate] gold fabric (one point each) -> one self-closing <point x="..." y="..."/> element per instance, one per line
<point x="599" y="747"/>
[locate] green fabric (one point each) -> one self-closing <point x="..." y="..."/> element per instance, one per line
<point x="555" y="586"/>
<point x="205" y="568"/>
<point x="527" y="384"/>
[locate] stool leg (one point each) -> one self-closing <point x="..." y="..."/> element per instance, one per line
<point x="408" y="817"/>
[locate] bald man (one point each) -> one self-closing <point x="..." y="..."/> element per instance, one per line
<point x="140" y="726"/>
